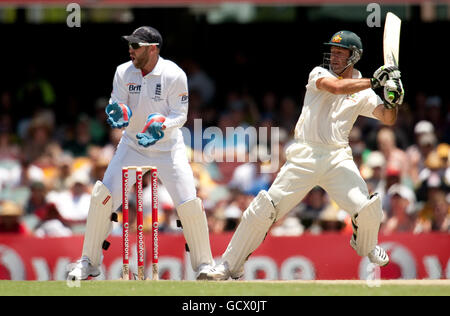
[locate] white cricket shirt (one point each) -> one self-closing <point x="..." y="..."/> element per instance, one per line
<point x="164" y="90"/>
<point x="327" y="118"/>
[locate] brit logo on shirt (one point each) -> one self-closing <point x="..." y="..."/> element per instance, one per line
<point x="134" y="88"/>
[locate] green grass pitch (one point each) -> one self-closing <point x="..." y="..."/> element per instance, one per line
<point x="228" y="288"/>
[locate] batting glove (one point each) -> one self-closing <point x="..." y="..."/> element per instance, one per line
<point x="119" y="115"/>
<point x="153" y="130"/>
<point x="393" y="93"/>
<point x="384" y="73"/>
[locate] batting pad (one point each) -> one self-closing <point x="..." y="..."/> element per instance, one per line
<point x="367" y="221"/>
<point x="252" y="230"/>
<point x="195" y="229"/>
<point x="98" y="224"/>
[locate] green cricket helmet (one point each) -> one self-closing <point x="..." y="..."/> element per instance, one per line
<point x="349" y="40"/>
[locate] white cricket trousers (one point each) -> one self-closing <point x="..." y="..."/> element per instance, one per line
<point x="310" y="165"/>
<point x="173" y="166"/>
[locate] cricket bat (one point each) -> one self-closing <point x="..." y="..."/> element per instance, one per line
<point x="391" y="41"/>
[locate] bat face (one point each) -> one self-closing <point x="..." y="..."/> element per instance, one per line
<point x="391" y="39"/>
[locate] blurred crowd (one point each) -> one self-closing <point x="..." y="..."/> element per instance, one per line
<point x="51" y="155"/>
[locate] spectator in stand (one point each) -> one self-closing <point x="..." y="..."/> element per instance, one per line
<point x="64" y="165"/>
<point x="16" y="178"/>
<point x="395" y="157"/>
<point x="37" y="198"/>
<point x="374" y="168"/>
<point x="393" y="176"/>
<point x="51" y="223"/>
<point x="98" y="169"/>
<point x="11" y="218"/>
<point x="217" y="221"/>
<point x="401" y="215"/>
<point x="73" y="204"/>
<point x="311" y="207"/>
<point x="435" y="215"/>
<point x="432" y="176"/>
<point x="443" y="151"/>
<point x="424" y="143"/>
<point x="38" y="136"/>
<point x="82" y="139"/>
<point x="332" y="219"/>
<point x="28" y="173"/>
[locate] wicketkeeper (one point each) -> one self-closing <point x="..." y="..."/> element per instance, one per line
<point x="336" y="94"/>
<point x="150" y="100"/>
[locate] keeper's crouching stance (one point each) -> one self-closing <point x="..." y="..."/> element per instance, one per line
<point x="336" y="94"/>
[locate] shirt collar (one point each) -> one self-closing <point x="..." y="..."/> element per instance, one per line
<point x="157" y="70"/>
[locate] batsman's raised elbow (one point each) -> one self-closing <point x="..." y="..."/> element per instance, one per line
<point x="389" y="120"/>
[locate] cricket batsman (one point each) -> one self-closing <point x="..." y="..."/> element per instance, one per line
<point x="336" y="94"/>
<point x="150" y="100"/>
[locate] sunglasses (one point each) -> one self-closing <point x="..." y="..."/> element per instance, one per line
<point x="138" y="45"/>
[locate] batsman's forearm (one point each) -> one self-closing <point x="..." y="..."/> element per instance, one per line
<point x="350" y="86"/>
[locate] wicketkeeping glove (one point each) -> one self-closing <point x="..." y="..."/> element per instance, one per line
<point x="119" y="115"/>
<point x="153" y="130"/>
<point x="393" y="93"/>
<point x="384" y="73"/>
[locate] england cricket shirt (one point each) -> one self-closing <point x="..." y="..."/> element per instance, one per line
<point x="163" y="90"/>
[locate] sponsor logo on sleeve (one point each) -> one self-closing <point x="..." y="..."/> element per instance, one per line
<point x="184" y="97"/>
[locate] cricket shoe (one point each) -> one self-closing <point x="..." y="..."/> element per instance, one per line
<point x="221" y="272"/>
<point x="203" y="270"/>
<point x="378" y="256"/>
<point x="82" y="270"/>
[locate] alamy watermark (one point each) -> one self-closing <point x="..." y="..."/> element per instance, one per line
<point x="74" y="17"/>
<point x="374" y="18"/>
<point x="235" y="144"/>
